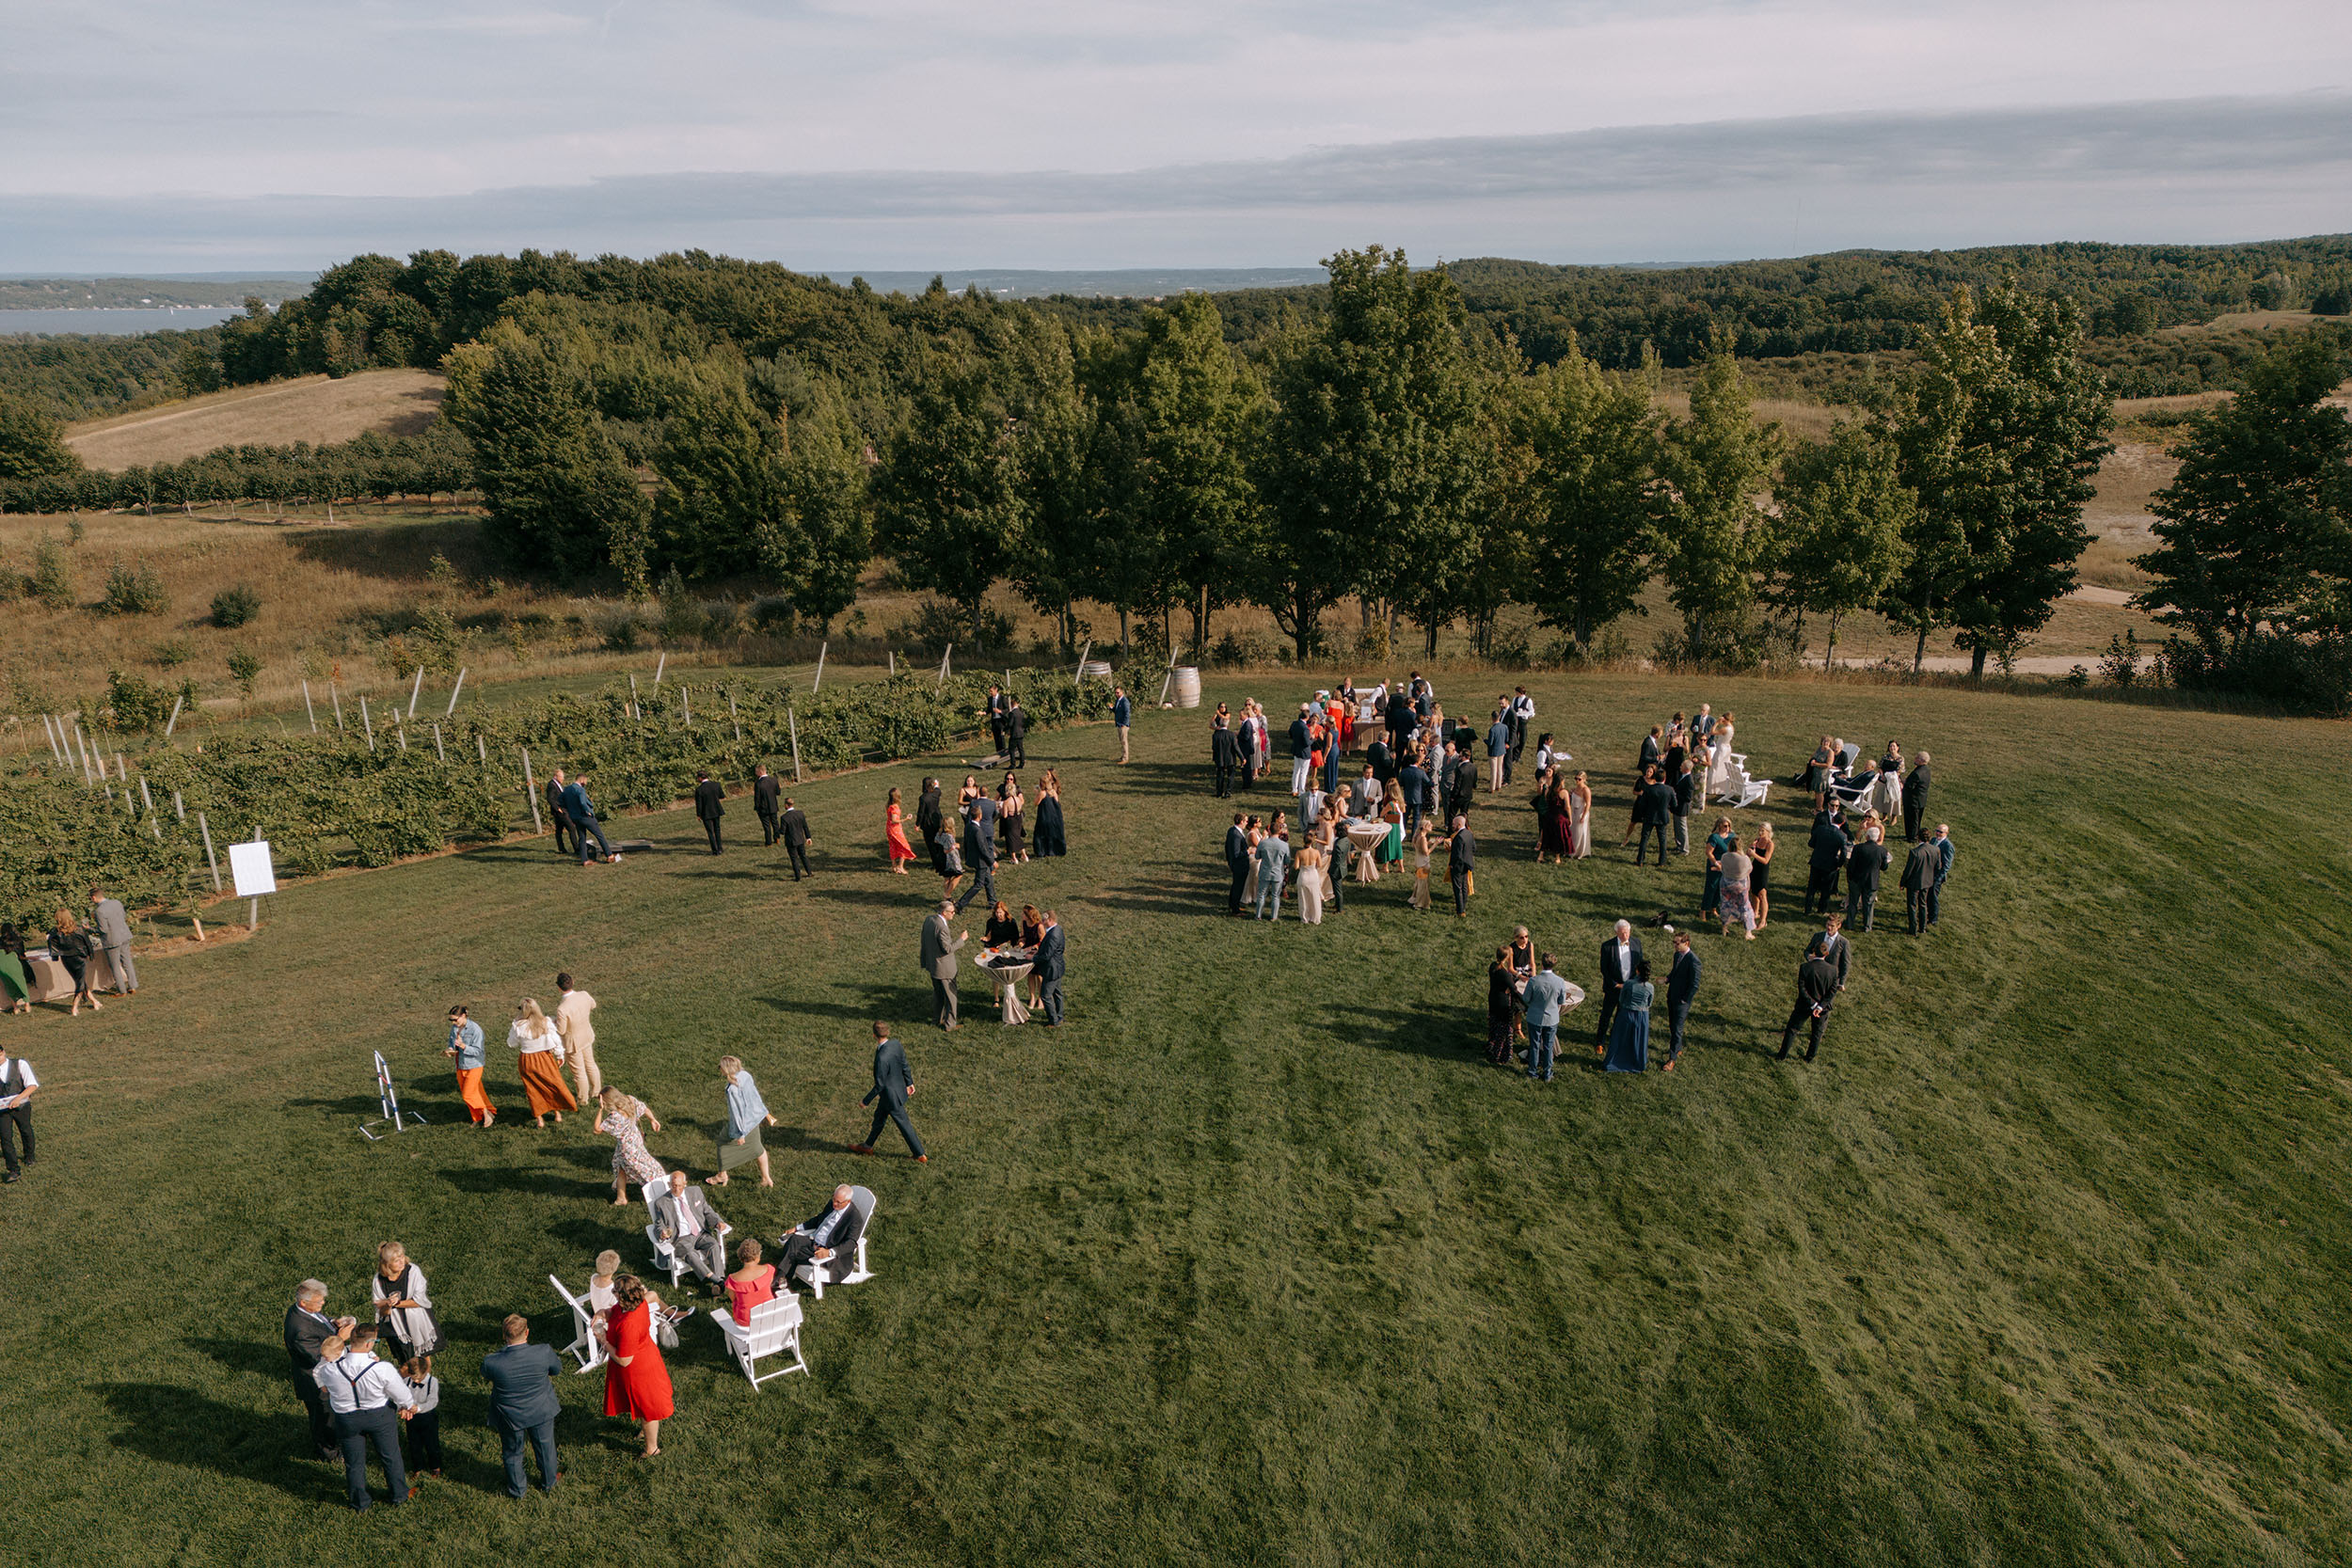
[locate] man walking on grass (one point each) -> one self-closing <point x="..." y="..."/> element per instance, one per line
<point x="711" y="804"/>
<point x="894" y="1083"/>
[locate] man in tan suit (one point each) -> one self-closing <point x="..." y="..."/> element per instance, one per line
<point x="580" y="1037"/>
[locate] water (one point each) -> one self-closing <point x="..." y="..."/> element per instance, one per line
<point x="117" y="323"/>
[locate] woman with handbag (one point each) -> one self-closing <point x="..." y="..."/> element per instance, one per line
<point x="72" y="947"/>
<point x="539" y="1057"/>
<point x="401" y="1306"/>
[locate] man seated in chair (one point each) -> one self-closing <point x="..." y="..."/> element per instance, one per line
<point x="827" y="1239"/>
<point x="683" y="1218"/>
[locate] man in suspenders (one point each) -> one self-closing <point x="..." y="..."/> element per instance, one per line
<point x="363" y="1393"/>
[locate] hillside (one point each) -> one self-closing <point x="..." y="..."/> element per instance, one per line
<point x="314" y="408"/>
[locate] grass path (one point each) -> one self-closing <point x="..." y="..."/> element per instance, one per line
<point x="2041" y="1262"/>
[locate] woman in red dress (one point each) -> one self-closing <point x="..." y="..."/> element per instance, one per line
<point x="895" y="835"/>
<point x="636" y="1384"/>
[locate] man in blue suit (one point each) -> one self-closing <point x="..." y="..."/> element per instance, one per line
<point x="584" y="823"/>
<point x="523" y="1405"/>
<point x="979" y="849"/>
<point x="1236" y="862"/>
<point x="1682" y="984"/>
<point x="1048" y="967"/>
<point x="894" y="1081"/>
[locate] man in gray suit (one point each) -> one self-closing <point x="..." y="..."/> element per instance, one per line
<point x="894" y="1081"/>
<point x="114" y="929"/>
<point x="684" y="1218"/>
<point x="939" y="962"/>
<point x="1546" y="993"/>
<point x="523" y="1405"/>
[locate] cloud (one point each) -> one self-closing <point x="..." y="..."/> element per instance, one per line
<point x="2184" y="171"/>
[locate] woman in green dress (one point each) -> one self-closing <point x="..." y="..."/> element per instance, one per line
<point x="16" y="980"/>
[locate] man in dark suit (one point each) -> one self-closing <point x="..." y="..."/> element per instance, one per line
<point x="979" y="849"/>
<point x="938" y="960"/>
<point x="1865" y="865"/>
<point x="1817" y="988"/>
<point x="1048" y="967"/>
<point x="562" y="820"/>
<point x="1942" y="843"/>
<point x="1016" y="732"/>
<point x="1236" y="863"/>
<point x="1653" y="751"/>
<point x="766" y="787"/>
<point x="1682" y="984"/>
<point x="1828" y="848"/>
<point x="1381" y="761"/>
<point x="308" y="1327"/>
<point x="893" y="1083"/>
<point x="1225" y="751"/>
<point x="1686" y="786"/>
<point x="1461" y="858"/>
<point x="1414" y="781"/>
<point x="1465" y="780"/>
<point x="1618" y="956"/>
<point x="796" y="839"/>
<point x="1830" y="943"/>
<point x="1399" y="716"/>
<point x="1655" y="813"/>
<point x="523" y="1405"/>
<point x="711" y="804"/>
<point x="584" y="824"/>
<point x="827" y="1239"/>
<point x="1919" y="877"/>
<point x="1916" y="797"/>
<point x="929" y="817"/>
<point x="996" y="712"/>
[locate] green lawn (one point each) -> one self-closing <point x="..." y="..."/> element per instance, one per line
<point x="2043" y="1261"/>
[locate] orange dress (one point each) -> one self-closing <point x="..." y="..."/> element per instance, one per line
<point x="895" y="836"/>
<point x="642" y="1389"/>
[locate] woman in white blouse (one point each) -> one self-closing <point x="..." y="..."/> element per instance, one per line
<point x="539" y="1057"/>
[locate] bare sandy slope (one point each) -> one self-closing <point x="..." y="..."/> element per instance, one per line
<point x="314" y="408"/>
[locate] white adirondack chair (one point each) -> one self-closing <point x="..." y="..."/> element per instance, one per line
<point x="585" y="1347"/>
<point x="813" y="1273"/>
<point x="664" y="1255"/>
<point x="774" y="1330"/>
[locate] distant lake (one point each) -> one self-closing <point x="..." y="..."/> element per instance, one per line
<point x="109" y="323"/>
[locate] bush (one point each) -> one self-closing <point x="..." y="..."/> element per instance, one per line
<point x="233" y="607"/>
<point x="174" y="653"/>
<point x="133" y="703"/>
<point x="246" y="665"/>
<point x="131" y="591"/>
<point x="2119" y="664"/>
<point x="1249" y="650"/>
<point x="936" y="624"/>
<point x="774" y="615"/>
<point x="52" y="581"/>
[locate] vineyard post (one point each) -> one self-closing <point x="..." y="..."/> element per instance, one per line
<point x="335" y="697"/>
<point x="50" y="730"/>
<point x="479" y="750"/>
<point x="734" y="718"/>
<point x="894" y="664"/>
<point x="685" y="703"/>
<point x="367" y="721"/>
<point x="310" y="712"/>
<point x="173" y="722"/>
<point x="822" y="648"/>
<point x="659" y="665"/>
<point x="81" y="748"/>
<point x="415" y="687"/>
<point x="1079" y="674"/>
<point x="943" y="664"/>
<point x="400" y="730"/>
<point x="439" y="750"/>
<point x="450" y="711"/>
<point x="179" y="807"/>
<point x="209" y="858"/>
<point x="530" y="791"/>
<point x="793" y="719"/>
<point x="152" y="825"/>
<point x="636" y="709"/>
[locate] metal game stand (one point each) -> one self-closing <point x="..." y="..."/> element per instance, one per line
<point x="390" y="1101"/>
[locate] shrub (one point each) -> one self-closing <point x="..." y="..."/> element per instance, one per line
<point x="233" y="607"/>
<point x="52" y="581"/>
<point x="936" y="624"/>
<point x="1247" y="651"/>
<point x="174" y="653"/>
<point x="246" y="665"/>
<point x="131" y="591"/>
<point x="2119" y="664"/>
<point x="617" y="629"/>
<point x="133" y="703"/>
<point x="775" y="615"/>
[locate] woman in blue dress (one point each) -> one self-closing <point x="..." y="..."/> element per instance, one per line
<point x="1629" y="1039"/>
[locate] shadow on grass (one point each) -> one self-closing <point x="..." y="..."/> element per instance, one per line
<point x="1169" y="778"/>
<point x="245" y="1356"/>
<point x="879" y="1000"/>
<point x="178" y="1426"/>
<point x="1447" y="1033"/>
<point x="875" y="897"/>
<point x="488" y="1179"/>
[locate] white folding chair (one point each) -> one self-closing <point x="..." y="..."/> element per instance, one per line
<point x="774" y="1330"/>
<point x="585" y="1347"/>
<point x="813" y="1273"/>
<point x="664" y="1255"/>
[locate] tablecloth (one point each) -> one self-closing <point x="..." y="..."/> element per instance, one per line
<point x="1368" y="838"/>
<point x="1006" y="970"/>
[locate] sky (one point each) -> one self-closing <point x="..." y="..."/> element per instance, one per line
<point x="184" y="134"/>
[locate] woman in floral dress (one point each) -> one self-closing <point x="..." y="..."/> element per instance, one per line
<point x="632" y="1161"/>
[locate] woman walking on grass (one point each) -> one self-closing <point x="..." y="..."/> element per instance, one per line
<point x="1049" y="838"/>
<point x="632" y="1160"/>
<point x="72" y="947"/>
<point x="740" y="1145"/>
<point x="16" y="981"/>
<point x="539" y="1057"/>
<point x="895" y="843"/>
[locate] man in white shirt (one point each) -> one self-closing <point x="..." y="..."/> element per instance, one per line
<point x="1617" y="958"/>
<point x="17" y="1084"/>
<point x="368" y="1399"/>
<point x="1522" y="717"/>
<point x="684" y="1218"/>
<point x="580" y="1037"/>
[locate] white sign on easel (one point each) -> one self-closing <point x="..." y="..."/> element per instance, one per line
<point x="249" y="864"/>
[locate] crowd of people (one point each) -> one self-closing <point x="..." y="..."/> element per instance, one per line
<point x="78" y="948"/>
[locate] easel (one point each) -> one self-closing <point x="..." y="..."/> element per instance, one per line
<point x="390" y="1102"/>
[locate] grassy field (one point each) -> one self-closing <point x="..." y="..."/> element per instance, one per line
<point x="2041" y="1262"/>
<point x="314" y="408"/>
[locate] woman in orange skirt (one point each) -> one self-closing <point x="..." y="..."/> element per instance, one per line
<point x="464" y="1054"/>
<point x="539" y="1058"/>
<point x="636" y="1384"/>
<point x="895" y="835"/>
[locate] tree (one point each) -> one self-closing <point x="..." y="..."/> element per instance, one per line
<point x="1718" y="534"/>
<point x="1597" y="496"/>
<point x="949" y="485"/>
<point x="1845" y="516"/>
<point x="30" y="446"/>
<point x="2000" y="433"/>
<point x="721" y="474"/>
<point x="559" y="494"/>
<point x="1368" y="463"/>
<point x="2255" y="532"/>
<point x="820" y="546"/>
